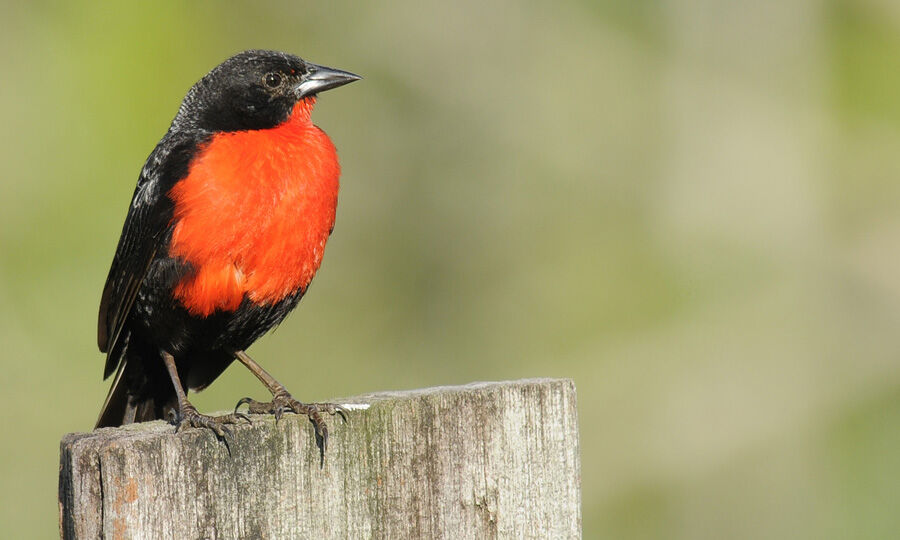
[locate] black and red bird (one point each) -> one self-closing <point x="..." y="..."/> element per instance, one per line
<point x="225" y="231"/>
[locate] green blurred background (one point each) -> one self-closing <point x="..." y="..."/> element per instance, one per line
<point x="691" y="207"/>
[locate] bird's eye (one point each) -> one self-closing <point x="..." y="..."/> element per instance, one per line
<point x="272" y="80"/>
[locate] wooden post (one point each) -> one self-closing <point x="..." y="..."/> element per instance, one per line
<point x="485" y="460"/>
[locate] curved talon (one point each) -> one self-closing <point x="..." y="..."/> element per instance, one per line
<point x="219" y="425"/>
<point x="321" y="428"/>
<point x="228" y="439"/>
<point x="335" y="409"/>
<point x="324" y="434"/>
<point x="241" y="415"/>
<point x="283" y="402"/>
<point x="242" y="401"/>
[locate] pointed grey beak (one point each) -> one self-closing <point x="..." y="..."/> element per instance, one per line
<point x="321" y="78"/>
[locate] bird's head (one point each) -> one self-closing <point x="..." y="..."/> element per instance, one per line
<point x="255" y="90"/>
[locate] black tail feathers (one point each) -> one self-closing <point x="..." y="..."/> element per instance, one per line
<point x="133" y="398"/>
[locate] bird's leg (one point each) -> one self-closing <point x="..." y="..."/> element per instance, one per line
<point x="283" y="401"/>
<point x="187" y="413"/>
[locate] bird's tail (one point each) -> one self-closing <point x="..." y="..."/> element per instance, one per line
<point x="126" y="404"/>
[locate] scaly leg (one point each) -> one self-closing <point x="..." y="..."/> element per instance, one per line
<point x="187" y="413"/>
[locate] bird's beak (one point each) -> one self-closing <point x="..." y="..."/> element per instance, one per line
<point x="321" y="78"/>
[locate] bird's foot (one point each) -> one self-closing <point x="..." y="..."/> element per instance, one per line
<point x="283" y="402"/>
<point x="190" y="417"/>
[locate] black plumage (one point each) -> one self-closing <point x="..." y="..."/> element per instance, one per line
<point x="141" y="323"/>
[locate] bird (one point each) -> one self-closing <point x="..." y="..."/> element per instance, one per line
<point x="226" y="228"/>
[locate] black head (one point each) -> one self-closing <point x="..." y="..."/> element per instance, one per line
<point x="254" y="90"/>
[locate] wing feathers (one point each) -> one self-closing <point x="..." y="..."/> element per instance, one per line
<point x="149" y="217"/>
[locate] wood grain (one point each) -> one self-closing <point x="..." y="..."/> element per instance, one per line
<point x="485" y="460"/>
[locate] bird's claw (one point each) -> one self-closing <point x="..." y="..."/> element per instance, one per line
<point x="189" y="417"/>
<point x="283" y="402"/>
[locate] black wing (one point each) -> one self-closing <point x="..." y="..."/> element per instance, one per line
<point x="143" y="235"/>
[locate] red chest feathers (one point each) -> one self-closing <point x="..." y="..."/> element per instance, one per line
<point x="253" y="215"/>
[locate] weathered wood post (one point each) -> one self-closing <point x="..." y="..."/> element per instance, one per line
<point x="485" y="460"/>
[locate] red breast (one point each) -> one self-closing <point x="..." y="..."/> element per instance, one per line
<point x="254" y="213"/>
